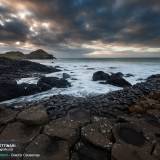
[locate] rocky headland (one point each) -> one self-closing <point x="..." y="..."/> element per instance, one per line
<point x="37" y="54"/>
<point x="120" y="125"/>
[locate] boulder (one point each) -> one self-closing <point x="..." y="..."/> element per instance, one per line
<point x="118" y="74"/>
<point x="8" y="89"/>
<point x="63" y="129"/>
<point x="51" y="82"/>
<point x="49" y="149"/>
<point x="118" y="80"/>
<point x="33" y="116"/>
<point x="100" y="75"/>
<point x="65" y="76"/>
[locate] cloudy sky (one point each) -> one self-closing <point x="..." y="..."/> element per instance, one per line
<point x="81" y="28"/>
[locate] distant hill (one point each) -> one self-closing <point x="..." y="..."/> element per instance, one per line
<point x="13" y="55"/>
<point x="38" y="54"/>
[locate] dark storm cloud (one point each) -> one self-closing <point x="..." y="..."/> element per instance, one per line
<point x="133" y="22"/>
<point x="102" y="20"/>
<point x="13" y="30"/>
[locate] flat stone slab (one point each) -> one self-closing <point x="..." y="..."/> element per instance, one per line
<point x="130" y="152"/>
<point x="48" y="149"/>
<point x="7" y="115"/>
<point x="18" y="132"/>
<point x="98" y="133"/>
<point x="80" y="115"/>
<point x="33" y="116"/>
<point x="64" y="129"/>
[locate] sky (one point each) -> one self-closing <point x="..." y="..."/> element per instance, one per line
<point x="81" y="28"/>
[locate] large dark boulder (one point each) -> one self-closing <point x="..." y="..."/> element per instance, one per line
<point x="100" y="75"/>
<point x="8" y="89"/>
<point x="28" y="89"/>
<point x="50" y="82"/>
<point x="115" y="79"/>
<point x="118" y="81"/>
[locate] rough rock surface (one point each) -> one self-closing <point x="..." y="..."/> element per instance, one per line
<point x="51" y="82"/>
<point x="65" y="129"/>
<point x="49" y="149"/>
<point x="115" y="79"/>
<point x="104" y="127"/>
<point x="33" y="116"/>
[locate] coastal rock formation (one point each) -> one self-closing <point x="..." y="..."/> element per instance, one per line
<point x="50" y="82"/>
<point x="118" y="80"/>
<point x="100" y="127"/>
<point x="14" y="69"/>
<point x="39" y="54"/>
<point x="48" y="148"/>
<point x="115" y="79"/>
<point x="100" y="75"/>
<point x="65" y="76"/>
<point x="8" y="89"/>
<point x="33" y="116"/>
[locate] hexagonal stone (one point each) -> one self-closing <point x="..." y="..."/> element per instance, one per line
<point x="33" y="116"/>
<point x="130" y="152"/>
<point x="86" y="151"/>
<point x="49" y="149"/>
<point x="129" y="134"/>
<point x="7" y="115"/>
<point x="64" y="129"/>
<point x="98" y="133"/>
<point x="80" y="115"/>
<point x="18" y="132"/>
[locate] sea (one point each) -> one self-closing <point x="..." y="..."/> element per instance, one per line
<point x="81" y="71"/>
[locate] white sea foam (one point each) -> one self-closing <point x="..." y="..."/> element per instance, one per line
<point x="81" y="71"/>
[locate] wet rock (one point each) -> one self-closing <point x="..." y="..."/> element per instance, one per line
<point x="63" y="129"/>
<point x="19" y="134"/>
<point x="7" y="115"/>
<point x="90" y="68"/>
<point x="49" y="149"/>
<point x="33" y="116"/>
<point x="53" y="82"/>
<point x="128" y="75"/>
<point x="100" y="75"/>
<point x="98" y="133"/>
<point x="8" y="89"/>
<point x="66" y="76"/>
<point x="21" y="68"/>
<point x="118" y="80"/>
<point x="28" y="89"/>
<point x="118" y="74"/>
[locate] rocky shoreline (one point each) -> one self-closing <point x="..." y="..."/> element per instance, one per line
<point x="120" y="125"/>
